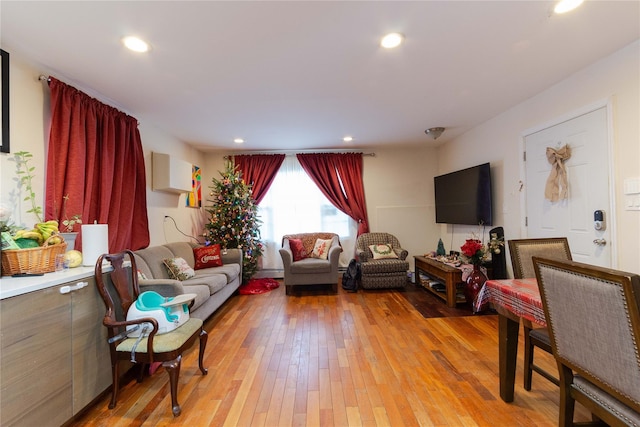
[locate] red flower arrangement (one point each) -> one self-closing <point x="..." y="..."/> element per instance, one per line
<point x="474" y="251"/>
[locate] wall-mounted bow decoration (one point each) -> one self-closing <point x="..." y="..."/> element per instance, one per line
<point x="557" y="182"/>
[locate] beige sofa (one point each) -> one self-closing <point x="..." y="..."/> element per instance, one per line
<point x="212" y="286"/>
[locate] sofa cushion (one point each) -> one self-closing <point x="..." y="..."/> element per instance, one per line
<point x="153" y="259"/>
<point x="297" y="249"/>
<point x="214" y="282"/>
<point x="178" y="268"/>
<point x="183" y="250"/>
<point x="207" y="256"/>
<point x="310" y="266"/>
<point x="202" y="292"/>
<point x="232" y="271"/>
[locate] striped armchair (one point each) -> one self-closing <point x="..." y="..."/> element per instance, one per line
<point x="387" y="271"/>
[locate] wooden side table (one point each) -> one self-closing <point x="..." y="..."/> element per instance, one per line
<point x="449" y="276"/>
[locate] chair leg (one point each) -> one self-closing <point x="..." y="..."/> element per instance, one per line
<point x="173" y="369"/>
<point x="528" y="359"/>
<point x="203" y="344"/>
<point x="115" y="384"/>
<point x="567" y="402"/>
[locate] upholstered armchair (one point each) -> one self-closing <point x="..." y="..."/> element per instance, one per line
<point x="381" y="267"/>
<point x="310" y="259"/>
<point x="593" y="315"/>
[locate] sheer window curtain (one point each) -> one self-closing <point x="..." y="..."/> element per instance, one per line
<point x="294" y="204"/>
<point x="95" y="156"/>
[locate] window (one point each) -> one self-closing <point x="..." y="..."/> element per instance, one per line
<point x="294" y="204"/>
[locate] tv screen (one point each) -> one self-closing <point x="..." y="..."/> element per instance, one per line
<point x="464" y="196"/>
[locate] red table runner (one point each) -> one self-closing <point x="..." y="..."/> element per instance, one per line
<point x="519" y="296"/>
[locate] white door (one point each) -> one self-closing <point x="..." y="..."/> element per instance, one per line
<point x="588" y="186"/>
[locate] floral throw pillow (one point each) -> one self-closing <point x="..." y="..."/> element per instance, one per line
<point x="321" y="249"/>
<point x="207" y="256"/>
<point x="298" y="250"/>
<point x="179" y="269"/>
<point x="382" y="251"/>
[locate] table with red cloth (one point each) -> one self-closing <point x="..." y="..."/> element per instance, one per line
<point x="513" y="299"/>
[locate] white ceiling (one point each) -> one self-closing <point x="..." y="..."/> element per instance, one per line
<point x="303" y="74"/>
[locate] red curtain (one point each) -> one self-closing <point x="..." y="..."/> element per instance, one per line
<point x="259" y="170"/>
<point x="339" y="177"/>
<point x="95" y="157"/>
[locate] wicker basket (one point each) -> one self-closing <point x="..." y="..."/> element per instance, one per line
<point x="32" y="260"/>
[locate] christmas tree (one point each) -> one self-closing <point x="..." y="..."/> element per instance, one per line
<point x="233" y="219"/>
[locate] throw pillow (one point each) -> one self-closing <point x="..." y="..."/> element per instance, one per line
<point x="179" y="269"/>
<point x="298" y="250"/>
<point x="321" y="249"/>
<point x="207" y="256"/>
<point x="382" y="251"/>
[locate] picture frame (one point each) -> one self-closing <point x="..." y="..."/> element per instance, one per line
<point x="4" y="91"/>
<point x="194" y="198"/>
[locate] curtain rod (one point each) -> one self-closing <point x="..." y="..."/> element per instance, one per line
<point x="44" y="78"/>
<point x="293" y="154"/>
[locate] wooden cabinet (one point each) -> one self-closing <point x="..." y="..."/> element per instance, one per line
<point x="54" y="354"/>
<point x="91" y="358"/>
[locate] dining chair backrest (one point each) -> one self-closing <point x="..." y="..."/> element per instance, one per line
<point x="593" y="317"/>
<point x="523" y="250"/>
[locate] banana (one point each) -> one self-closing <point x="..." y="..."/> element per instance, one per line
<point x="32" y="234"/>
<point x="55" y="240"/>
<point x="47" y="228"/>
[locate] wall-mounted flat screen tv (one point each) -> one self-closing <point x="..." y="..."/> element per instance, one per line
<point x="464" y="196"/>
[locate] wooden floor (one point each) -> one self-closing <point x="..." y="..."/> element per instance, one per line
<point x="321" y="359"/>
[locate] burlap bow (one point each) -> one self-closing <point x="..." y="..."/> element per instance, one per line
<point x="557" y="183"/>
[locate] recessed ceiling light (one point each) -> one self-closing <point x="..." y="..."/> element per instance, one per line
<point x="238" y="140"/>
<point x="347" y="139"/>
<point x="135" y="44"/>
<point x="391" y="40"/>
<point x="566" y="5"/>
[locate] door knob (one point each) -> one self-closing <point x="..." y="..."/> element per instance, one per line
<point x="600" y="242"/>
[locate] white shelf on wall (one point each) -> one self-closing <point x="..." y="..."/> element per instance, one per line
<point x="170" y="174"/>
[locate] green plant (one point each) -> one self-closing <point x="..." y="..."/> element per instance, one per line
<point x="25" y="176"/>
<point x="69" y="223"/>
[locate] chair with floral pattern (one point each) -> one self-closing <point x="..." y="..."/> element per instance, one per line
<point x="383" y="261"/>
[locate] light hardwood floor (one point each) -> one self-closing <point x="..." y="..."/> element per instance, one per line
<point x="322" y="359"/>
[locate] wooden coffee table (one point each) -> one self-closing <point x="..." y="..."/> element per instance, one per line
<point x="449" y="276"/>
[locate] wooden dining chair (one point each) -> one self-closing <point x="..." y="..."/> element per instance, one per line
<point x="522" y="251"/>
<point x="593" y="318"/>
<point x="119" y="290"/>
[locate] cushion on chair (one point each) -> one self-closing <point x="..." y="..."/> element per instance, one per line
<point x="384" y="266"/>
<point x="382" y="251"/>
<point x="297" y="249"/>
<point x="166" y="342"/>
<point x="311" y="266"/>
<point x="321" y="248"/>
<point x="605" y="399"/>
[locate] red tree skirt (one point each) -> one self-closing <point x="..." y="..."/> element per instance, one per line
<point x="258" y="286"/>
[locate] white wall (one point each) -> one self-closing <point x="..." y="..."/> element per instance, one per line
<point x="399" y="191"/>
<point x="30" y="118"/>
<point x="398" y="181"/>
<point x="499" y="141"/>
